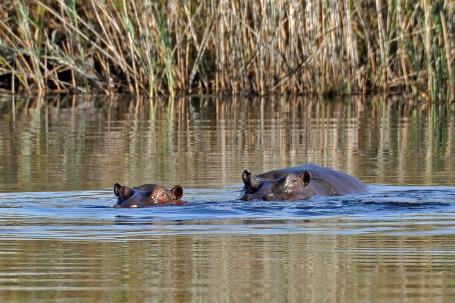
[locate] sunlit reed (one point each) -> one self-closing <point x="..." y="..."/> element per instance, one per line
<point x="229" y="47"/>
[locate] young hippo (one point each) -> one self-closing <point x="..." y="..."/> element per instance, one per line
<point x="147" y="195"/>
<point x="299" y="183"/>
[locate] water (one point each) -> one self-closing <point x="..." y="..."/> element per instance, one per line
<point x="61" y="241"/>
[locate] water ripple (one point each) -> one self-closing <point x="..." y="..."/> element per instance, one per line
<point x="89" y="215"/>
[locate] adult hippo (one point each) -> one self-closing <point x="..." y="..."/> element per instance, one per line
<point x="299" y="183"/>
<point x="147" y="195"/>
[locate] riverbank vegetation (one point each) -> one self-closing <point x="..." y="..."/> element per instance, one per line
<point x="228" y="47"/>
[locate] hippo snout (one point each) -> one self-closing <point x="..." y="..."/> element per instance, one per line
<point x="268" y="197"/>
<point x="126" y="205"/>
<point x="247" y="197"/>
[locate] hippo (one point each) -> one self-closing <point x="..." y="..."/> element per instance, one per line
<point x="299" y="183"/>
<point x="147" y="195"/>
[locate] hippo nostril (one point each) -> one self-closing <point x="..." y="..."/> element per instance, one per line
<point x="268" y="197"/>
<point x="247" y="197"/>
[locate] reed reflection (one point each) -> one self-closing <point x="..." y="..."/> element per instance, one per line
<point x="297" y="268"/>
<point x="81" y="143"/>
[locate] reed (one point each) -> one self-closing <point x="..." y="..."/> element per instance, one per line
<point x="229" y="47"/>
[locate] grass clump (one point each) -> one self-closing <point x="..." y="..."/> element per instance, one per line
<point x="228" y="47"/>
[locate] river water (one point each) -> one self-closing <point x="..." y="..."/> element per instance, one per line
<point x="61" y="241"/>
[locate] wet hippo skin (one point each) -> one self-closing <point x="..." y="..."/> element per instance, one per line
<point x="299" y="183"/>
<point x="147" y="195"/>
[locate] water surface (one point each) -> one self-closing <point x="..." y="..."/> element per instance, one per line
<point x="60" y="239"/>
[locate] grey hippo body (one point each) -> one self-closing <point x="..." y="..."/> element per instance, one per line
<point x="299" y="183"/>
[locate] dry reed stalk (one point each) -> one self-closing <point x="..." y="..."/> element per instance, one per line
<point x="382" y="43"/>
<point x="427" y="44"/>
<point x="401" y="50"/>
<point x="448" y="51"/>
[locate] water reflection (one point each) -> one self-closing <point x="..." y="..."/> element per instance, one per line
<point x="80" y="143"/>
<point x="281" y="268"/>
<point x="394" y="244"/>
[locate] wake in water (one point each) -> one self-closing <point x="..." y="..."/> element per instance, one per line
<point x="89" y="214"/>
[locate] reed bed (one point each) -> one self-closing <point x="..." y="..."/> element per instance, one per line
<point x="246" y="47"/>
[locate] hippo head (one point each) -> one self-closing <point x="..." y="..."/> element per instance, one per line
<point x="146" y="195"/>
<point x="289" y="186"/>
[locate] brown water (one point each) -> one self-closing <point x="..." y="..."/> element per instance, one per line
<point x="60" y="241"/>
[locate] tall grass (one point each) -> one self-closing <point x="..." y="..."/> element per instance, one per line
<point x="229" y="47"/>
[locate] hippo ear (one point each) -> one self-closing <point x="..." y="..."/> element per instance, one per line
<point x="122" y="192"/>
<point x="117" y="188"/>
<point x="246" y="176"/>
<point x="306" y="177"/>
<point x="177" y="192"/>
<point x="250" y="180"/>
